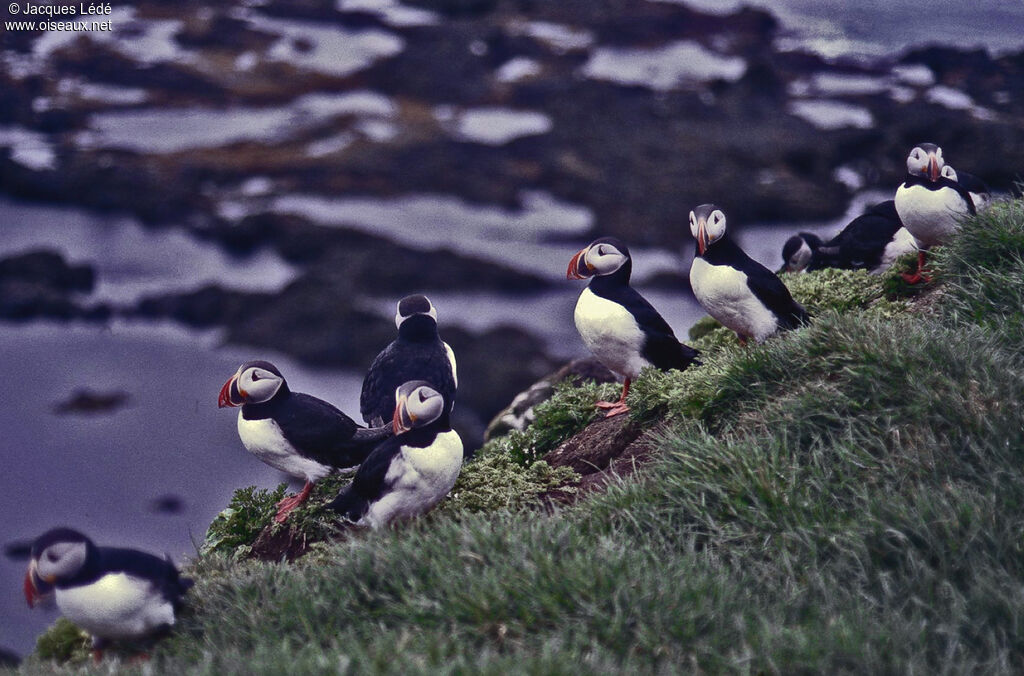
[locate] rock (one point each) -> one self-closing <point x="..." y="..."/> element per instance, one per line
<point x="520" y="413"/>
<point x="87" y="402"/>
<point x="8" y="659"/>
<point x="169" y="504"/>
<point x="592" y="449"/>
<point x="42" y="284"/>
<point x="49" y="269"/>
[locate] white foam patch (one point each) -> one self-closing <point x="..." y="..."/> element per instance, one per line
<point x="829" y="115"/>
<point x="663" y="68"/>
<point x="327" y="49"/>
<point x="517" y="69"/>
<point x="516" y="238"/>
<point x="495" y="126"/>
<point x="391" y="12"/>
<point x="559" y="37"/>
<point x="167" y="130"/>
<point x="28" y="148"/>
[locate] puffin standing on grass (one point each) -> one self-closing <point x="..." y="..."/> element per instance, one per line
<point x="930" y="205"/>
<point x="872" y="241"/>
<point x="109" y="592"/>
<point x="411" y="472"/>
<point x="619" y="326"/>
<point x="296" y="433"/>
<point x="417" y="354"/>
<point x="736" y="290"/>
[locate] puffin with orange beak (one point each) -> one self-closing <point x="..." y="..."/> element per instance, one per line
<point x="739" y="292"/>
<point x="408" y="474"/>
<point x="620" y="327"/>
<point x="930" y="204"/>
<point x="296" y="433"/>
<point x="112" y="593"/>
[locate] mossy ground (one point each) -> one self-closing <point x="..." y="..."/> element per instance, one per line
<point x="845" y="498"/>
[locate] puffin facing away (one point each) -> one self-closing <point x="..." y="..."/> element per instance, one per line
<point x="872" y="241"/>
<point x="417" y="354"/>
<point x="296" y="433"/>
<point x="411" y="472"/>
<point x="739" y="292"/>
<point x="109" y="592"/>
<point x="619" y="326"/>
<point x="929" y="204"/>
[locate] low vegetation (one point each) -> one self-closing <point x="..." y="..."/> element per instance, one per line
<point x="846" y="498"/>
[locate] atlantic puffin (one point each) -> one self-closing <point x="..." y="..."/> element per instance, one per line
<point x="979" y="191"/>
<point x="411" y="472"/>
<point x="930" y="205"/>
<point x="417" y="354"/>
<point x="872" y="241"/>
<point x="111" y="593"/>
<point x="798" y="253"/>
<point x="739" y="292"/>
<point x="296" y="433"/>
<point x="619" y="326"/>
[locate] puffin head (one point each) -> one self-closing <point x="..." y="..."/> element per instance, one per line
<point x="798" y="251"/>
<point x="253" y="383"/>
<point x="925" y="160"/>
<point x="949" y="172"/>
<point x="411" y="306"/>
<point x="603" y="256"/>
<point x="707" y="225"/>
<point x="416" y="404"/>
<point x="57" y="555"/>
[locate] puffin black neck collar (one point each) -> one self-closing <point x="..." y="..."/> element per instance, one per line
<point x="616" y="279"/>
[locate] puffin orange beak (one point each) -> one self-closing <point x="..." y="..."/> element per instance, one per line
<point x="402" y="420"/>
<point x="933" y="168"/>
<point x="702" y="237"/>
<point x="32" y="593"/>
<point x="226" y="398"/>
<point x="574" y="266"/>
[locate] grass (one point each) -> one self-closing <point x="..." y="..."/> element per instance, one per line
<point x="845" y="498"/>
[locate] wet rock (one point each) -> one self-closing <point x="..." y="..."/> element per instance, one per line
<point x="9" y="659"/>
<point x="169" y="504"/>
<point x="49" y="269"/>
<point x="88" y="402"/>
<point x="18" y="551"/>
<point x="520" y="413"/>
<point x="42" y="284"/>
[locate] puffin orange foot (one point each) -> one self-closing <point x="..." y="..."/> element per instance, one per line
<point x="612" y="408"/>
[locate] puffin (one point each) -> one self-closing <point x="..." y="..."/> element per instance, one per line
<point x="412" y="471"/>
<point x="620" y="327"/>
<point x="112" y="593"/>
<point x="736" y="290"/>
<point x="979" y="191"/>
<point x="872" y="241"/>
<point x="929" y="204"/>
<point x="296" y="433"/>
<point x="798" y="253"/>
<point x="418" y="353"/>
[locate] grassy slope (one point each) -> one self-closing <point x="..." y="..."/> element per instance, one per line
<point x="846" y="498"/>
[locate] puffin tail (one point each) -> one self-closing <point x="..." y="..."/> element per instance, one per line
<point x="690" y="355"/>
<point x="348" y="504"/>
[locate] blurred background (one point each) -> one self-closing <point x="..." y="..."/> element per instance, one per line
<point x="205" y="184"/>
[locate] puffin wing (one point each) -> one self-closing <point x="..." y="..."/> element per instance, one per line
<point x="661" y="347"/>
<point x="160" y="573"/>
<point x="770" y="290"/>
<point x="370" y="482"/>
<point x="321" y="432"/>
<point x="862" y="242"/>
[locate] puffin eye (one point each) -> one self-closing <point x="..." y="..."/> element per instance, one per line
<point x="600" y="251"/>
<point x="51" y="557"/>
<point x="255" y="376"/>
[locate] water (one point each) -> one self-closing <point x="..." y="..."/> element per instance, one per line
<point x="132" y="261"/>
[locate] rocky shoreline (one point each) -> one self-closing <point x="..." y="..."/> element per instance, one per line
<point x="769" y="134"/>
